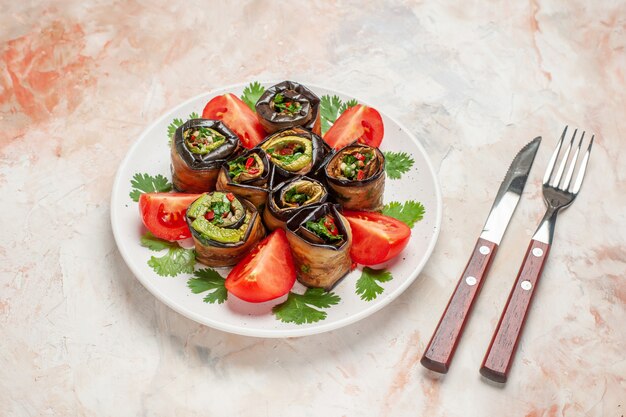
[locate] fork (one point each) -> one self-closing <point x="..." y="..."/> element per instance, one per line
<point x="558" y="194"/>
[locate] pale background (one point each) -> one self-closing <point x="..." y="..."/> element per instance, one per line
<point x="473" y="81"/>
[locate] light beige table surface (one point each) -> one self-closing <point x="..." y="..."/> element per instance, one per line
<point x="473" y="81"/>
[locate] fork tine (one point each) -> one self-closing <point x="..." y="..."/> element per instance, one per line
<point x="559" y="172"/>
<point x="583" y="168"/>
<point x="570" y="170"/>
<point x="555" y="154"/>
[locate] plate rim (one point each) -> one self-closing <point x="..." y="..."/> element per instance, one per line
<point x="319" y="327"/>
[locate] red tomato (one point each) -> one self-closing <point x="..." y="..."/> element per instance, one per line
<point x="376" y="238"/>
<point x="237" y="116"/>
<point x="360" y="123"/>
<point x="267" y="272"/>
<point x="163" y="214"/>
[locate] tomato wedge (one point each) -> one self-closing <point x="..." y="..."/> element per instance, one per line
<point x="266" y="273"/>
<point x="163" y="214"/>
<point x="360" y="123"/>
<point x="376" y="238"/>
<point x="237" y="116"/>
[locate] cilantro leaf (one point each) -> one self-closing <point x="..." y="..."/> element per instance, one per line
<point x="252" y="93"/>
<point x="329" y="111"/>
<point x="144" y="183"/>
<point x="367" y="286"/>
<point x="154" y="243"/>
<point x="410" y="212"/>
<point x="176" y="123"/>
<point x="176" y="261"/>
<point x="397" y="163"/>
<point x="345" y="106"/>
<point x="299" y="308"/>
<point x="208" y="279"/>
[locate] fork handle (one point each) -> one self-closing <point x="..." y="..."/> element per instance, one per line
<point x="499" y="356"/>
<point x="440" y="350"/>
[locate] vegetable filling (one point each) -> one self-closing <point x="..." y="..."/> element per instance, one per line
<point x="286" y="106"/>
<point x="245" y="168"/>
<point x="291" y="153"/>
<point x="220" y="217"/>
<point x="202" y="140"/>
<point x="325" y="228"/>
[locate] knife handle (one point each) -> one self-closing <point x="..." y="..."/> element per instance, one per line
<point x="499" y="356"/>
<point x="440" y="350"/>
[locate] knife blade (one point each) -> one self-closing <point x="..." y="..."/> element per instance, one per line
<point x="440" y="350"/>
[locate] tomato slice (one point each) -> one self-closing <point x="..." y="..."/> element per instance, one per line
<point x="237" y="116"/>
<point x="376" y="238"/>
<point x="163" y="214"/>
<point x="266" y="273"/>
<point x="360" y="123"/>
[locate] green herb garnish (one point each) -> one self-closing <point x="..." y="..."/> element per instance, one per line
<point x="145" y="183"/>
<point x="252" y="93"/>
<point x="208" y="279"/>
<point x="367" y="286"/>
<point x="409" y="213"/>
<point x="305" y="308"/>
<point x="176" y="261"/>
<point x="331" y="108"/>
<point x="397" y="163"/>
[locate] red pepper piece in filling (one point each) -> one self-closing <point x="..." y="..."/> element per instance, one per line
<point x="230" y="196"/>
<point x="360" y="175"/>
<point x="329" y="223"/>
<point x="249" y="162"/>
<point x="209" y="215"/>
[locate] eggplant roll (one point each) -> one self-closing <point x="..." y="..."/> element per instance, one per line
<point x="289" y="104"/>
<point x="294" y="152"/>
<point x="246" y="176"/>
<point x="320" y="240"/>
<point x="356" y="177"/>
<point x="199" y="148"/>
<point x="289" y="197"/>
<point x="224" y="228"/>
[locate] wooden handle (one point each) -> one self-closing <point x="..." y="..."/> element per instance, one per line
<point x="499" y="356"/>
<point x="440" y="350"/>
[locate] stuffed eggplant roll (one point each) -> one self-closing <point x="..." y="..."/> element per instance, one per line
<point x="320" y="240"/>
<point x="246" y="176"/>
<point x="289" y="104"/>
<point x="224" y="228"/>
<point x="356" y="177"/>
<point x="289" y="197"/>
<point x="294" y="152"/>
<point x="199" y="148"/>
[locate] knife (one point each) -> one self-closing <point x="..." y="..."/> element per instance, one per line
<point x="440" y="350"/>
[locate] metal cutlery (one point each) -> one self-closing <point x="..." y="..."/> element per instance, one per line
<point x="558" y="193"/>
<point x="440" y="350"/>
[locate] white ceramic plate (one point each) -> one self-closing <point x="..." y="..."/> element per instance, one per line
<point x="150" y="154"/>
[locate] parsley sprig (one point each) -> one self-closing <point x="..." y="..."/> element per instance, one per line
<point x="208" y="279"/>
<point x="145" y="183"/>
<point x="176" y="261"/>
<point x="368" y="285"/>
<point x="176" y="123"/>
<point x="409" y="213"/>
<point x="252" y="93"/>
<point x="331" y="108"/>
<point x="397" y="163"/>
<point x="307" y="307"/>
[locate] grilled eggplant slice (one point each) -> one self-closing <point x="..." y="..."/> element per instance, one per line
<point x="320" y="239"/>
<point x="247" y="176"/>
<point x="198" y="149"/>
<point x="294" y="152"/>
<point x="289" y="197"/>
<point x="224" y="228"/>
<point x="289" y="104"/>
<point x="356" y="177"/>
